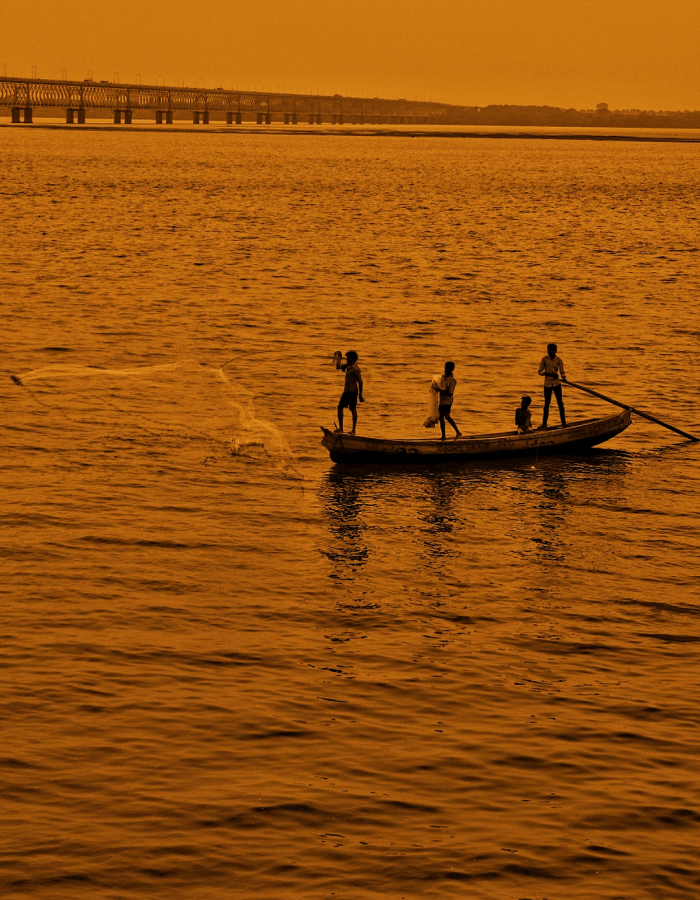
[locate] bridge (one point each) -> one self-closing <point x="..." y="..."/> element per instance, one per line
<point x="125" y="102"/>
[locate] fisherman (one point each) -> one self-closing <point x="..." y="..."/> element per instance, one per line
<point x="446" y="397"/>
<point x="553" y="370"/>
<point x="523" y="416"/>
<point x="352" y="392"/>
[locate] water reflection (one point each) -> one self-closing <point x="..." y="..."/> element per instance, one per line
<point x="428" y="520"/>
<point x="440" y="491"/>
<point x="560" y="481"/>
<point x="341" y="494"/>
<point x="365" y="504"/>
<point x="551" y="512"/>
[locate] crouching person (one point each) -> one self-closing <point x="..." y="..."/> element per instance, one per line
<point x="523" y="415"/>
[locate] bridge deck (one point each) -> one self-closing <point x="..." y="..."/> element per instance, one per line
<point x="28" y="93"/>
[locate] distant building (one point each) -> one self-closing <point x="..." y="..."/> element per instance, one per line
<point x="602" y="107"/>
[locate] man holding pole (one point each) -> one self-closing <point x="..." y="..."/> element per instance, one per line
<point x="553" y="370"/>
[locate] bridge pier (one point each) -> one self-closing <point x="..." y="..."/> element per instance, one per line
<point x="70" y="116"/>
<point x="81" y="116"/>
<point x="286" y="118"/>
<point x="229" y="118"/>
<point x="239" y="118"/>
<point x="117" y="117"/>
<point x="258" y="119"/>
<point x="159" y="117"/>
<point x="26" y="115"/>
<point x="195" y="118"/>
<point x="318" y="119"/>
<point x="169" y="117"/>
<point x="127" y="116"/>
<point x="205" y="117"/>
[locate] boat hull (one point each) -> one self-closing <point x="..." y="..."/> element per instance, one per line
<point x="575" y="438"/>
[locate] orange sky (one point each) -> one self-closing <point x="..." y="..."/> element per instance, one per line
<point x="629" y="53"/>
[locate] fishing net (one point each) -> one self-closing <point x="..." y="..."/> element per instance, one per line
<point x="436" y="385"/>
<point x="173" y="403"/>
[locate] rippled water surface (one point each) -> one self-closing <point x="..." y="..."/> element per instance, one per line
<point x="231" y="668"/>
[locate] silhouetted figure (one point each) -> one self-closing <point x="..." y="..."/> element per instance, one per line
<point x="446" y="397"/>
<point x="523" y="416"/>
<point x="352" y="391"/>
<point x="553" y="370"/>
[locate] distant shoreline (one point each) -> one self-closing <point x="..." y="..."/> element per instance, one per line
<point x="570" y="133"/>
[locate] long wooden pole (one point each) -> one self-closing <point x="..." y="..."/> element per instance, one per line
<point x="638" y="412"/>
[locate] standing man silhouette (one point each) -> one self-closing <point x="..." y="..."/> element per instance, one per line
<point x="352" y="392"/>
<point x="553" y="370"/>
<point x="445" y="403"/>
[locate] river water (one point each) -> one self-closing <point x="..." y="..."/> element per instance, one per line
<point x="231" y="668"/>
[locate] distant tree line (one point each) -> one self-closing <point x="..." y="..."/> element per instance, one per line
<point x="554" y="115"/>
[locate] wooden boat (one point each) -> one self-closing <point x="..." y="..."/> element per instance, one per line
<point x="577" y="437"/>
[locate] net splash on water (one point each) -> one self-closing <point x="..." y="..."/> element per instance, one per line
<point x="180" y="401"/>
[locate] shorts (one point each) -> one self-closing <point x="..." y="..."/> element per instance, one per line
<point x="445" y="409"/>
<point x="348" y="400"/>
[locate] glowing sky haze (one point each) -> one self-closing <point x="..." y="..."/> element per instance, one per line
<point x="629" y="53"/>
